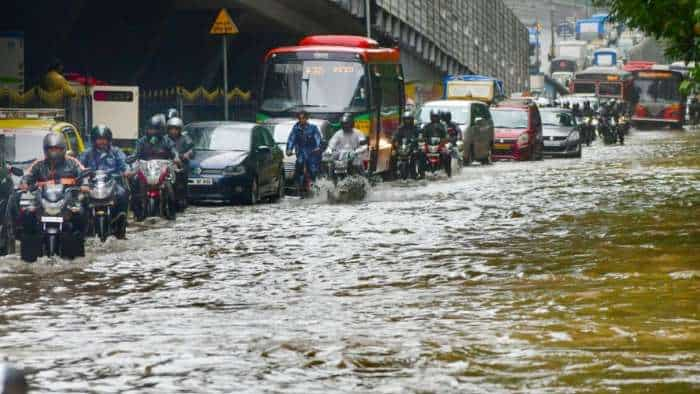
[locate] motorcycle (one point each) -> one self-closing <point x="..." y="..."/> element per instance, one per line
<point x="624" y="125"/>
<point x="607" y="129"/>
<point x="438" y="156"/>
<point x="51" y="221"/>
<point x="407" y="160"/>
<point x="102" y="207"/>
<point x="348" y="182"/>
<point x="588" y="129"/>
<point x="158" y="178"/>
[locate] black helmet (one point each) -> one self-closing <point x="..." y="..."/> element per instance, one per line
<point x="408" y="118"/>
<point x="55" y="140"/>
<point x="447" y="116"/>
<point x="156" y="126"/>
<point x="101" y="131"/>
<point x="12" y="381"/>
<point x="172" y="113"/>
<point x="434" y="115"/>
<point x="347" y="122"/>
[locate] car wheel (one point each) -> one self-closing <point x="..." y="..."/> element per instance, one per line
<point x="252" y="195"/>
<point x="489" y="156"/>
<point x="280" y="187"/>
<point x="468" y="156"/>
<point x="579" y="152"/>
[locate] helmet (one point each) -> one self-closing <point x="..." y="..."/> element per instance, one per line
<point x="434" y="115"/>
<point x="408" y="118"/>
<point x="347" y="122"/>
<point x="175" y="122"/>
<point x="101" y="131"/>
<point x="55" y="140"/>
<point x="172" y="113"/>
<point x="12" y="380"/>
<point x="157" y="124"/>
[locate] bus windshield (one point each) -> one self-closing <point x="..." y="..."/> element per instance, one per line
<point x="315" y="85"/>
<point x="657" y="90"/>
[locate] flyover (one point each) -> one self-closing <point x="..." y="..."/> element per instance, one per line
<point x="162" y="43"/>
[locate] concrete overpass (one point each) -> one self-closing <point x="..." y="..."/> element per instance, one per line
<point x="165" y="42"/>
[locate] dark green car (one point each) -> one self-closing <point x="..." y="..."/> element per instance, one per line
<point x="234" y="161"/>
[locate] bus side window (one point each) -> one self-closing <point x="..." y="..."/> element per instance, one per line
<point x="391" y="98"/>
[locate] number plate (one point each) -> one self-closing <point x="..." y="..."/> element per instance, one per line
<point x="201" y="181"/>
<point x="51" y="219"/>
<point x="502" y="146"/>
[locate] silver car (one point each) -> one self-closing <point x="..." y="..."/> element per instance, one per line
<point x="474" y="119"/>
<point x="281" y="130"/>
<point x="560" y="132"/>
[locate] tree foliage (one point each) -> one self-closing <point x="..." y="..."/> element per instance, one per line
<point x="675" y="22"/>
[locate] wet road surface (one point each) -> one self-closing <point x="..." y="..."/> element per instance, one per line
<point x="556" y="276"/>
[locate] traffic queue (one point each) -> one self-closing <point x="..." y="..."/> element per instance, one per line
<point x="328" y="143"/>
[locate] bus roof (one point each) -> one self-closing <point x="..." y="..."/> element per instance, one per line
<point x="366" y="48"/>
<point x="604" y="71"/>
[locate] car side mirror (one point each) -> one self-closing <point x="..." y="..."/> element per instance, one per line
<point x="478" y="121"/>
<point x="16" y="171"/>
<point x="264" y="149"/>
<point x="364" y="142"/>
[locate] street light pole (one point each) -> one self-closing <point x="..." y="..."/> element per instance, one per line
<point x="368" y="18"/>
<point x="225" y="52"/>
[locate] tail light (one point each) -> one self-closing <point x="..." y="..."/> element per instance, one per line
<point x="674" y="112"/>
<point x="153" y="193"/>
<point x="640" y="111"/>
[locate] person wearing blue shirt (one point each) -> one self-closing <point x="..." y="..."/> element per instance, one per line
<point x="102" y="156"/>
<point x="305" y="141"/>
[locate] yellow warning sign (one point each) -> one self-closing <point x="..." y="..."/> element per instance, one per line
<point x="224" y="24"/>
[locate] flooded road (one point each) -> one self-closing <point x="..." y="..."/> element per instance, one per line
<point x="550" y="277"/>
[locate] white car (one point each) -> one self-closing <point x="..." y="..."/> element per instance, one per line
<point x="473" y="118"/>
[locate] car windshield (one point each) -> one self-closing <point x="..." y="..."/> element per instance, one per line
<point x="220" y="138"/>
<point x="460" y="115"/>
<point x="23" y="148"/>
<point x="557" y="118"/>
<point x="510" y="119"/>
<point x="315" y="85"/>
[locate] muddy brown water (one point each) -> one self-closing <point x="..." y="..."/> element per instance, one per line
<point x="550" y="277"/>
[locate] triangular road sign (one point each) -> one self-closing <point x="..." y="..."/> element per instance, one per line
<point x="223" y="24"/>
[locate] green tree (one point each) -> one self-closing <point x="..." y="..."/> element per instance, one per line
<point x="676" y="22"/>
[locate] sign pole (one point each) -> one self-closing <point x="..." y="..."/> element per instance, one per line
<point x="225" y="56"/>
<point x="224" y="26"/>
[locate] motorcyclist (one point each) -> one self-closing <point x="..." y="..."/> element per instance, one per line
<point x="453" y="131"/>
<point x="185" y="150"/>
<point x="435" y="128"/>
<point x="103" y="156"/>
<point x="348" y="138"/>
<point x="155" y="145"/>
<point x="576" y="110"/>
<point x="305" y="141"/>
<point x="694" y="110"/>
<point x="587" y="110"/>
<point x="58" y="168"/>
<point x="410" y="132"/>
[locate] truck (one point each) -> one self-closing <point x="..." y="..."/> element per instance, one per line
<point x="12" y="63"/>
<point x="117" y="107"/>
<point x="575" y="49"/>
<point x="473" y="87"/>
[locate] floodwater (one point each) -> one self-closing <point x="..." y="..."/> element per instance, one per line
<point x="558" y="276"/>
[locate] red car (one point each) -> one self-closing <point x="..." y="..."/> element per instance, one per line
<point x="518" y="132"/>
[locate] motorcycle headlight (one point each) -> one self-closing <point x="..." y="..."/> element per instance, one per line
<point x="52" y="208"/>
<point x="595" y="122"/>
<point x="613" y="122"/>
<point x="523" y="139"/>
<point x="234" y="170"/>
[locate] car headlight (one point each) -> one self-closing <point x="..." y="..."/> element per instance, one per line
<point x="573" y="136"/>
<point x="234" y="170"/>
<point x="523" y="139"/>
